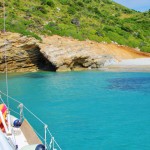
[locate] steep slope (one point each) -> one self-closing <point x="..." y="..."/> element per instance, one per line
<point x="97" y="20"/>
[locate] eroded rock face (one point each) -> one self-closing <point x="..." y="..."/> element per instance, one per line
<point x="22" y="53"/>
<point x="67" y="56"/>
<point x="74" y="60"/>
<point x="57" y="53"/>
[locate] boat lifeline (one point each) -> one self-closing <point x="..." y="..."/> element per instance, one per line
<point x="16" y="133"/>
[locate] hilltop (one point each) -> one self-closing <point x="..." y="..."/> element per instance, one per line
<point x="96" y="20"/>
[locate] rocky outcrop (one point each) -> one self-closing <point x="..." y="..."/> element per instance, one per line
<point x="68" y="54"/>
<point x="22" y="53"/>
<point x="74" y="59"/>
<point x="57" y="53"/>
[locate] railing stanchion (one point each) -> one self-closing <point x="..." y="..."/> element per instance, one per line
<point x="53" y="143"/>
<point x="21" y="112"/>
<point x="45" y="128"/>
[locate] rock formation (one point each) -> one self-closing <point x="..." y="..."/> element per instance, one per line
<point x="22" y="53"/>
<point x="67" y="54"/>
<point x="57" y="53"/>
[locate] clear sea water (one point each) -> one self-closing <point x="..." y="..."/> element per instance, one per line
<point x="88" y="110"/>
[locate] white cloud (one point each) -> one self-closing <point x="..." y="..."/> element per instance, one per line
<point x="141" y="5"/>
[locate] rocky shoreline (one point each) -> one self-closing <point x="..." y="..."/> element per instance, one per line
<point x="22" y="53"/>
<point x="57" y="53"/>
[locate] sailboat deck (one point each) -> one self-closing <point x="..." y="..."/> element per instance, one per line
<point x="29" y="133"/>
<point x="20" y="138"/>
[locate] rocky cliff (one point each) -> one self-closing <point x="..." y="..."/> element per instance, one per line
<point x="57" y="53"/>
<point x="22" y="53"/>
<point x="69" y="54"/>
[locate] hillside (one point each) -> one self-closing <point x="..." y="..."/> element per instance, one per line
<point x="97" y="20"/>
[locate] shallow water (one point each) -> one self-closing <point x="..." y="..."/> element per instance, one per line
<point x="88" y="110"/>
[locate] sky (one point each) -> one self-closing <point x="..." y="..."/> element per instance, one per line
<point x="139" y="5"/>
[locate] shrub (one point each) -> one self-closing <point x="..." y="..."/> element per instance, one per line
<point x="16" y="4"/>
<point x="99" y="33"/>
<point x="145" y="49"/>
<point x="127" y="27"/>
<point x="87" y="1"/>
<point x="28" y="33"/>
<point x="96" y="10"/>
<point x="108" y="28"/>
<point x="50" y="3"/>
<point x="117" y="15"/>
<point x="116" y="37"/>
<point x="80" y="4"/>
<point x="1" y="4"/>
<point x="133" y="42"/>
<point x="53" y="27"/>
<point x="52" y="24"/>
<point x="43" y="2"/>
<point x="41" y="9"/>
<point x="64" y="2"/>
<point x="71" y="10"/>
<point x="127" y="11"/>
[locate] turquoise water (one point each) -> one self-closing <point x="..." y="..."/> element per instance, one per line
<point x="89" y="110"/>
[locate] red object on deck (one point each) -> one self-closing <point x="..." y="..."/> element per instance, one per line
<point x="3" y="109"/>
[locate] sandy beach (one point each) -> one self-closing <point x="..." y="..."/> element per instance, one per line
<point x="131" y="65"/>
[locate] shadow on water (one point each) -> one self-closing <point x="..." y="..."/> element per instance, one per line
<point x="27" y="75"/>
<point x="125" y="84"/>
<point x="35" y="75"/>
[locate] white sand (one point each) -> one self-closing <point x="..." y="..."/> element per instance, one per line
<point x="138" y="64"/>
<point x="134" y="62"/>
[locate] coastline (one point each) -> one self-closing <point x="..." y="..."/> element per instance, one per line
<point x="62" y="54"/>
<point x="129" y="65"/>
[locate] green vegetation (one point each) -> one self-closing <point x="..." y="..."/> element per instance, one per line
<point x="98" y="20"/>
